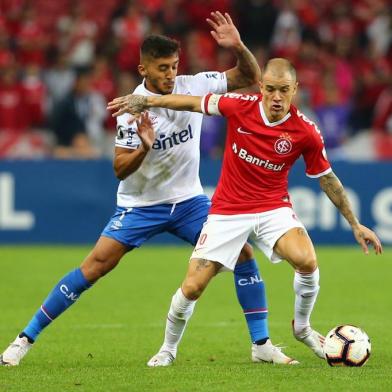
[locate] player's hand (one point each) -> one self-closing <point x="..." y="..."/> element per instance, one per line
<point x="365" y="236"/>
<point x="225" y="33"/>
<point x="132" y="104"/>
<point x="145" y="131"/>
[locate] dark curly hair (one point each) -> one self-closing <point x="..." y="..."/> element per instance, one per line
<point x="157" y="46"/>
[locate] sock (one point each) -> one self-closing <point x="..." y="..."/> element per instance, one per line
<point x="251" y="295"/>
<point x="306" y="287"/>
<point x="62" y="297"/>
<point x="181" y="309"/>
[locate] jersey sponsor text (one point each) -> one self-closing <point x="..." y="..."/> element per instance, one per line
<point x="243" y="154"/>
<point x="176" y="138"/>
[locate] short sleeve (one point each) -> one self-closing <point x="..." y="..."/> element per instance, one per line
<point x="127" y="136"/>
<point x="315" y="155"/>
<point x="206" y="82"/>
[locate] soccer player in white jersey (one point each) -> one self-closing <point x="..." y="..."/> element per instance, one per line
<point x="265" y="136"/>
<point x="160" y="191"/>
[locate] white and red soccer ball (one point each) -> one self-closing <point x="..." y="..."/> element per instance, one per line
<point x="347" y="345"/>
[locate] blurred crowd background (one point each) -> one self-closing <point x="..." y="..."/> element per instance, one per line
<point x="61" y="61"/>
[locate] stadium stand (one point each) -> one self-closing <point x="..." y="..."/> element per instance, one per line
<point x="341" y="49"/>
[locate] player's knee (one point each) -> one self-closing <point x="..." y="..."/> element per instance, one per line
<point x="246" y="253"/>
<point x="96" y="266"/>
<point x="192" y="288"/>
<point x="307" y="263"/>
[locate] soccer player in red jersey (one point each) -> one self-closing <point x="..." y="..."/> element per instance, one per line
<point x="266" y="134"/>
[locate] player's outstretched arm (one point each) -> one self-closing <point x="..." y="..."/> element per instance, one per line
<point x="127" y="161"/>
<point x="135" y="104"/>
<point x="247" y="71"/>
<point x="334" y="189"/>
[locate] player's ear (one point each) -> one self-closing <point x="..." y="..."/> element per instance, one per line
<point x="261" y="86"/>
<point x="142" y="70"/>
<point x="295" y="88"/>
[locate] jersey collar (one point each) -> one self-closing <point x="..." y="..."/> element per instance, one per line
<point x="272" y="124"/>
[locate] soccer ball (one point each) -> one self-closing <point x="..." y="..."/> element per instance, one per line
<point x="347" y="345"/>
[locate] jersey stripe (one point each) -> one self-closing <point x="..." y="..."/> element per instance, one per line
<point x="320" y="174"/>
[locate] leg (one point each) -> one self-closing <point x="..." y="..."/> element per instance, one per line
<point x="190" y="217"/>
<point x="103" y="258"/>
<point x="200" y="272"/>
<point x="296" y="247"/>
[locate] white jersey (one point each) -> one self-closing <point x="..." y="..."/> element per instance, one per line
<point x="170" y="170"/>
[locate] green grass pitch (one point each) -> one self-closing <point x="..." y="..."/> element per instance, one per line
<point x="105" y="340"/>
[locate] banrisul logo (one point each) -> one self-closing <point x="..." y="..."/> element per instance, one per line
<point x="163" y="142"/>
<point x="255" y="160"/>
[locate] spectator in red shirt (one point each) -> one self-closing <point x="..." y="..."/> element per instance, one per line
<point x="31" y="39"/>
<point x="382" y="123"/>
<point x="102" y="78"/>
<point x="130" y="30"/>
<point x="35" y="95"/>
<point x="13" y="118"/>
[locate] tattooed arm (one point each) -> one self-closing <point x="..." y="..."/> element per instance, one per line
<point x="136" y="104"/>
<point x="247" y="71"/>
<point x="334" y="189"/>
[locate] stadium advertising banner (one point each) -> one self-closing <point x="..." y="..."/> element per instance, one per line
<point x="65" y="202"/>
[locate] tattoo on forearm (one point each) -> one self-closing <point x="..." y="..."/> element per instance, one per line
<point x="333" y="188"/>
<point x="137" y="103"/>
<point x="248" y="71"/>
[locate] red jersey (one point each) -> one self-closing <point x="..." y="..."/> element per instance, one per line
<point x="259" y="154"/>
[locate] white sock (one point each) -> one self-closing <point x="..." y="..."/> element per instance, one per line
<point x="306" y="287"/>
<point x="180" y="311"/>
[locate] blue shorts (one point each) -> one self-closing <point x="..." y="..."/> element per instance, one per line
<point x="133" y="226"/>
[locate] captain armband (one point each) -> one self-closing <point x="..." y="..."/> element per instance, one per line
<point x="209" y="104"/>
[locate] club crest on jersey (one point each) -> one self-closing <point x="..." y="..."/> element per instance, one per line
<point x="283" y="145"/>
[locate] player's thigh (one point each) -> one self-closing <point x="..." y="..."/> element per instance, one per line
<point x="296" y="247"/>
<point x="189" y="217"/>
<point x="270" y="226"/>
<point x="222" y="238"/>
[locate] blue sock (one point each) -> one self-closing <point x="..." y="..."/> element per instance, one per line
<point x="61" y="298"/>
<point x="251" y="296"/>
